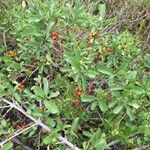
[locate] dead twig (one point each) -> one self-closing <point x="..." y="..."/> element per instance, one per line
<point x="2" y="107"/>
<point x="18" y="132"/>
<point x="39" y="123"/>
<point x="142" y="147"/>
<point x="15" y="140"/>
<point x="4" y="37"/>
<point x="7" y="112"/>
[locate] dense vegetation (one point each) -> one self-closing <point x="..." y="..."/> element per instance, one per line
<point x="74" y="75"/>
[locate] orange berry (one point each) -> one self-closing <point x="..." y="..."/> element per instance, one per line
<point x="76" y="101"/>
<point x="82" y="106"/>
<point x="78" y="91"/>
<point x="27" y="38"/>
<point x="94" y="34"/>
<point x="20" y="87"/>
<point x="12" y="53"/>
<point x="78" y="42"/>
<point x="42" y="108"/>
<point x="54" y="35"/>
<point x="29" y="68"/>
<point x="109" y="50"/>
<point x="101" y="51"/>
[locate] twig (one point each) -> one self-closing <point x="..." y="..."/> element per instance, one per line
<point x="40" y="123"/>
<point x="117" y="141"/>
<point x="112" y="143"/>
<point x="39" y="139"/>
<point x="142" y="147"/>
<point x="33" y="71"/>
<point x="4" y="37"/>
<point x="2" y="107"/>
<point x="15" y="140"/>
<point x="30" y="74"/>
<point x="18" y="132"/>
<point x="7" y="112"/>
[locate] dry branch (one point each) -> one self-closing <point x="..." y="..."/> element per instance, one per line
<point x="39" y="123"/>
<point x="18" y="132"/>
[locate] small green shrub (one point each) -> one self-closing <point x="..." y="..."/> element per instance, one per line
<point x="91" y="87"/>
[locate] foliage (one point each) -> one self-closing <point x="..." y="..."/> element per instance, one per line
<point x="90" y="86"/>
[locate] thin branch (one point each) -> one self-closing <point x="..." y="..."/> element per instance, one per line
<point x="39" y="139"/>
<point x="112" y="143"/>
<point x="15" y="140"/>
<point x="2" y="107"/>
<point x="142" y="147"/>
<point x="7" y="111"/>
<point x="18" y="132"/>
<point x="40" y="123"/>
<point x="4" y="37"/>
<point x="33" y="71"/>
<point x="117" y="141"/>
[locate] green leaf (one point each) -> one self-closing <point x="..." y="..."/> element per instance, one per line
<point x="51" y="106"/>
<point x="49" y="121"/>
<point x="35" y="19"/>
<point x="104" y="69"/>
<point x="102" y="105"/>
<point x="28" y="93"/>
<point x="132" y="75"/>
<point x="112" y="104"/>
<point x="73" y="61"/>
<point x="74" y="125"/>
<point x="54" y="94"/>
<point x="46" y="86"/>
<point x="130" y="113"/>
<point x="118" y="109"/>
<point x="100" y="144"/>
<point x="91" y="73"/>
<point x="65" y="69"/>
<point x="102" y="11"/>
<point x="138" y="90"/>
<point x="135" y="105"/>
<point x="87" y="134"/>
<point x="8" y="146"/>
<point x="47" y="139"/>
<point x="116" y="88"/>
<point x="85" y="98"/>
<point x="93" y="105"/>
<point x="39" y="91"/>
<point x="50" y="138"/>
<point x="49" y="59"/>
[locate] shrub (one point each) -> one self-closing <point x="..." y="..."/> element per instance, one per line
<point x="90" y="87"/>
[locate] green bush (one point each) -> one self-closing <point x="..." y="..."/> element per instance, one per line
<point x="89" y="86"/>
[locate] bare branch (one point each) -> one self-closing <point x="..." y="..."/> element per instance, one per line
<point x="40" y="123"/>
<point x="142" y="147"/>
<point x="4" y="37"/>
<point x="112" y="143"/>
<point x="2" y="107"/>
<point x="18" y="132"/>
<point x="7" y="111"/>
<point x="15" y="140"/>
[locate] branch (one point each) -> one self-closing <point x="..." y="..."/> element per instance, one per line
<point x="112" y="143"/>
<point x="142" y="147"/>
<point x="40" y="123"/>
<point x="15" y="140"/>
<point x="18" y="132"/>
<point x="2" y="107"/>
<point x="4" y="37"/>
<point x="117" y="141"/>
